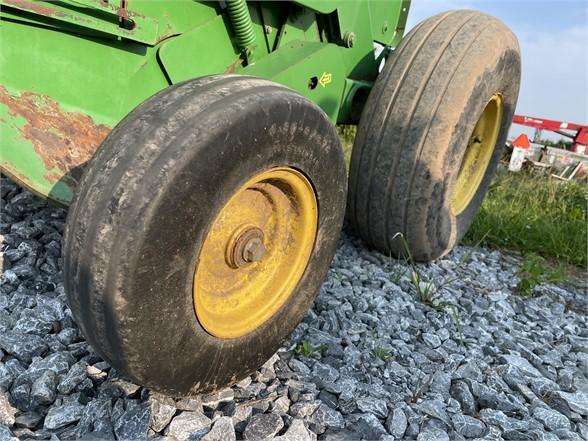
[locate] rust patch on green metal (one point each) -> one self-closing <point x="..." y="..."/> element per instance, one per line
<point x="31" y="5"/>
<point x="63" y="140"/>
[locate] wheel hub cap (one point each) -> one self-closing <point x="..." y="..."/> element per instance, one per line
<point x="477" y="155"/>
<point x="255" y="252"/>
<point x="247" y="248"/>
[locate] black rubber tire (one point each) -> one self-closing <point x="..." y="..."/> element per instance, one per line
<point x="415" y="128"/>
<point x="145" y="203"/>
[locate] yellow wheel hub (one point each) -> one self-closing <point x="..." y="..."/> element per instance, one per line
<point x="255" y="252"/>
<point x="477" y="156"/>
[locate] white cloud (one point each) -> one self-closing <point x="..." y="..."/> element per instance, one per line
<point x="555" y="60"/>
<point x="555" y="74"/>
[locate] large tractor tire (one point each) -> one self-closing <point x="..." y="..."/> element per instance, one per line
<point x="202" y="231"/>
<point x="431" y="134"/>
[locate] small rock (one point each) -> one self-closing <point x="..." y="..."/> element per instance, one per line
<point x="324" y="372"/>
<point x="21" y="397"/>
<point x="329" y="399"/>
<point x="433" y="434"/>
<point x="369" y="427"/>
<point x="304" y="409"/>
<point x="128" y="388"/>
<point x="326" y="417"/>
<point x="73" y="378"/>
<point x="522" y="364"/>
<point x="347" y="402"/>
<point x="103" y="430"/>
<point x="7" y="411"/>
<point x="373" y="405"/>
<point x="6" y="434"/>
<point x="222" y="430"/>
<point x="189" y="404"/>
<point x="397" y="423"/>
<point x="296" y="432"/>
<point x="498" y="418"/>
<point x="263" y="426"/>
<point x="212" y="400"/>
<point x="298" y="366"/>
<point x="58" y="362"/>
<point x="281" y="405"/>
<point x="95" y="373"/>
<point x="133" y="423"/>
<point x="43" y="389"/>
<point x="468" y="426"/>
<point x="188" y="425"/>
<point x="461" y="392"/>
<point x="441" y="383"/>
<point x="6" y="377"/>
<point x="469" y="371"/>
<point x="577" y="402"/>
<point x="435" y="409"/>
<point x="97" y="409"/>
<point x="551" y="419"/>
<point x="431" y="340"/>
<point x="241" y="417"/>
<point x="30" y="420"/>
<point x="61" y="416"/>
<point x="162" y="411"/>
<point x="22" y="346"/>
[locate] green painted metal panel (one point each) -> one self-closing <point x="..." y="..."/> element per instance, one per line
<point x="318" y="73"/>
<point x="183" y="64"/>
<point x="322" y="6"/>
<point x="71" y="90"/>
<point x="150" y="21"/>
<point x="66" y="80"/>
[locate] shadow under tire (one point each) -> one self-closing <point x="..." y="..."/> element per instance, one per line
<point x="430" y="136"/>
<point x="146" y="231"/>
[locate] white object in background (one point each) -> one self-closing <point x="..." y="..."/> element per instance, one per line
<point x="517" y="159"/>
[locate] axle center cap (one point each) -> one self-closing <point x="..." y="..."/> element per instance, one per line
<point x="247" y="248"/>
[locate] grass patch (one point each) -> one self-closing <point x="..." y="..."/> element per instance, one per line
<point x="306" y="349"/>
<point x="347" y="136"/>
<point x="533" y="271"/>
<point x="381" y="353"/>
<point x="534" y="214"/>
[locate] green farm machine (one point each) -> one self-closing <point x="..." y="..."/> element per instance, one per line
<point x="194" y="143"/>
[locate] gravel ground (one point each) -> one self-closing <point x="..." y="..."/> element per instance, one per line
<point x="370" y="360"/>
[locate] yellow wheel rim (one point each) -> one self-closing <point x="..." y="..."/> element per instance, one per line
<point x="477" y="155"/>
<point x="255" y="252"/>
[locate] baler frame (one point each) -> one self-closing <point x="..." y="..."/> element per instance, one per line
<point x="85" y="64"/>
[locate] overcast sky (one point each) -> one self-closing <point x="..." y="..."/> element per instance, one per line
<point x="554" y="42"/>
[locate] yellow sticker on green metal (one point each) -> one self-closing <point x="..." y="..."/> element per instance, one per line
<point x="326" y="78"/>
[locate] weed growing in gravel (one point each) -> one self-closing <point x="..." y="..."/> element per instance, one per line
<point x="306" y="349"/>
<point x="381" y="353"/>
<point x="396" y="272"/>
<point x="426" y="290"/>
<point x="533" y="271"/>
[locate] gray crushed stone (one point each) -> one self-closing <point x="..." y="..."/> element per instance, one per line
<point x="478" y="362"/>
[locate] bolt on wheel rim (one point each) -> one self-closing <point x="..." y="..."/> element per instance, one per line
<point x="477" y="155"/>
<point x="255" y="252"/>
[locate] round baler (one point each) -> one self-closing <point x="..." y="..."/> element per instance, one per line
<point x="194" y="143"/>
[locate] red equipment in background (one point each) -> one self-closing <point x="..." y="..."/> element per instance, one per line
<point x="577" y="132"/>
